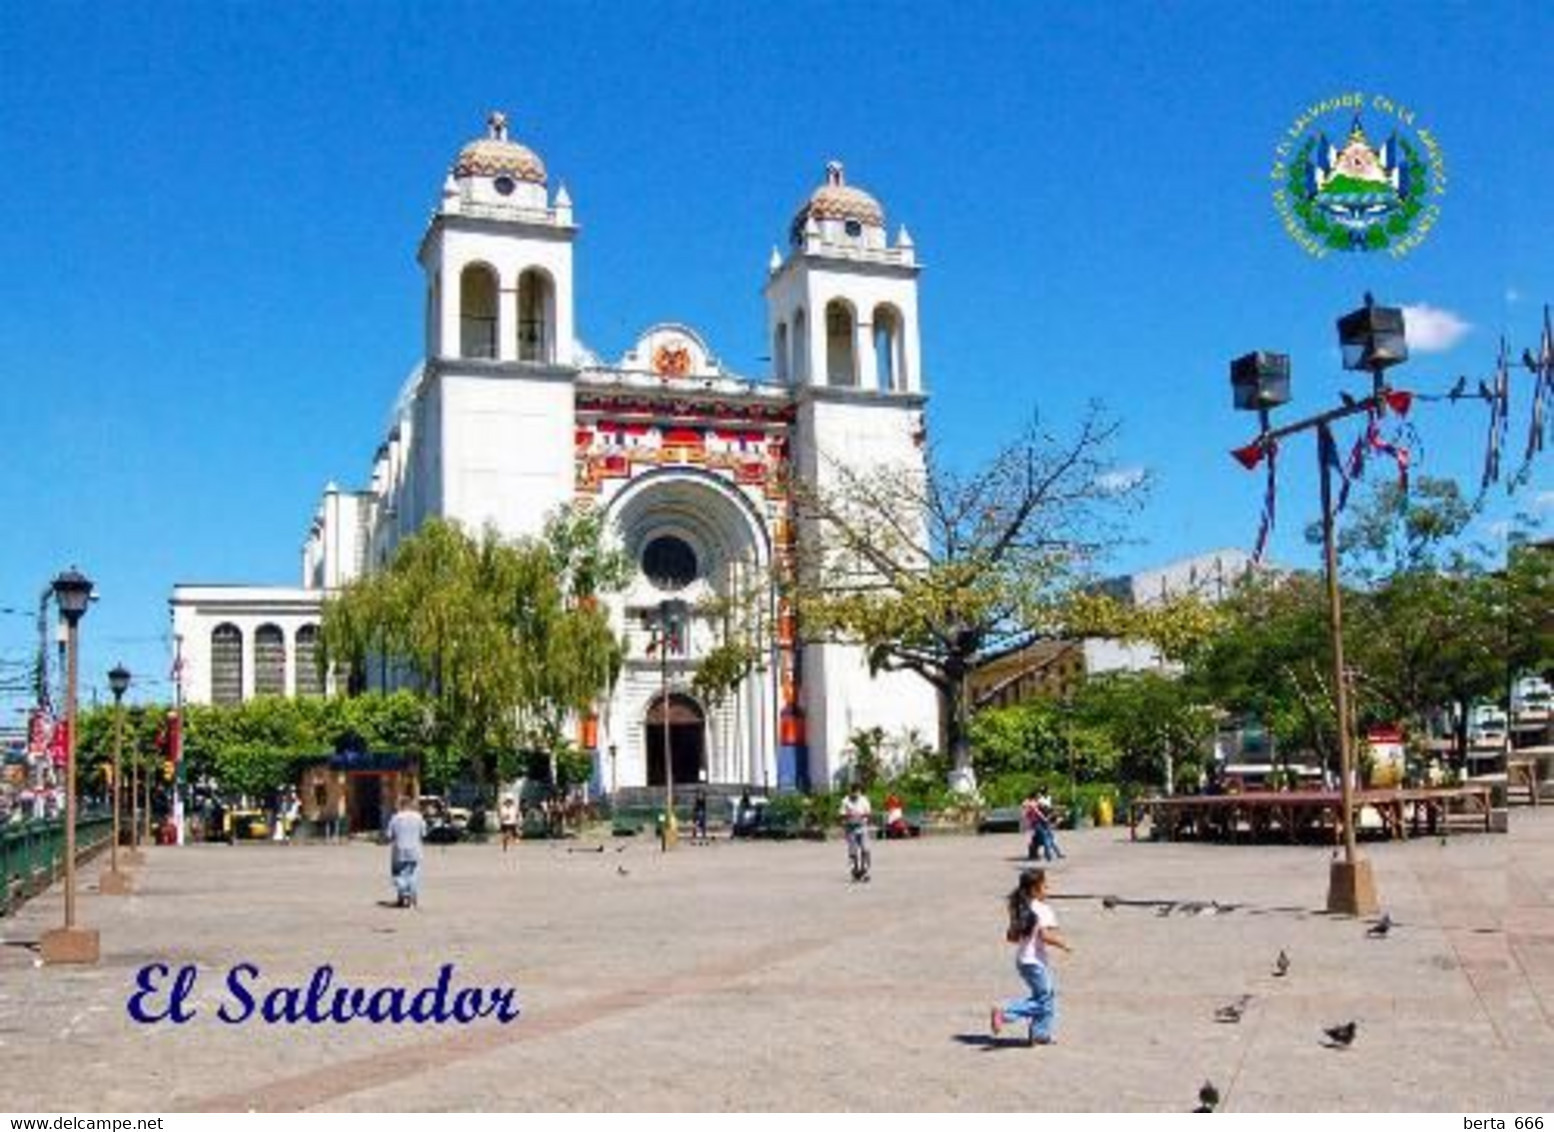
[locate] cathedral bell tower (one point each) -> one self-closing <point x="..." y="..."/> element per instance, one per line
<point x="843" y="329"/>
<point x="842" y="307"/>
<point x="494" y="405"/>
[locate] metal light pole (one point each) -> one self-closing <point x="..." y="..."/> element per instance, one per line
<point x="1372" y="339"/>
<point x="70" y="944"/>
<point x="113" y="882"/>
<point x="134" y="857"/>
<point x="145" y="810"/>
<point x="670" y="624"/>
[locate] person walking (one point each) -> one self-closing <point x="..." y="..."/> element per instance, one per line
<point x="1042" y="831"/>
<point x="699" y="813"/>
<point x="1033" y="929"/>
<point x="406" y="834"/>
<point x="855" y="821"/>
<point x="507" y="817"/>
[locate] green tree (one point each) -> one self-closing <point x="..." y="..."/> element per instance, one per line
<point x="926" y="573"/>
<point x="1159" y="727"/>
<point x="567" y="655"/>
<point x="1271" y="660"/>
<point x="503" y="641"/>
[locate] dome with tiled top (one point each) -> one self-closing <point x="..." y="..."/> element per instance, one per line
<point x="837" y="200"/>
<point x="496" y="155"/>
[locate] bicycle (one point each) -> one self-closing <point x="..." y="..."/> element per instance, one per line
<point x="858" y="856"/>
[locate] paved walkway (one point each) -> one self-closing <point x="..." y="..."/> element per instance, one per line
<point x="740" y="976"/>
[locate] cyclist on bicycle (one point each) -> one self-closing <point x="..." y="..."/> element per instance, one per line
<point x="855" y="820"/>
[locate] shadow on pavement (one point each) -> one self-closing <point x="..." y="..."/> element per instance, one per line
<point x="988" y="1044"/>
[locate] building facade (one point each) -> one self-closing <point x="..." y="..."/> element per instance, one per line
<point x="1055" y="668"/>
<point x="509" y="417"/>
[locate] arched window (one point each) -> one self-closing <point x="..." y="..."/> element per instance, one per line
<point x="310" y="681"/>
<point x="841" y="356"/>
<point x="536" y="317"/>
<point x="477" y="312"/>
<point x="269" y="661"/>
<point x="889" y="364"/>
<point x="780" y="352"/>
<point x="226" y="664"/>
<point x="800" y="354"/>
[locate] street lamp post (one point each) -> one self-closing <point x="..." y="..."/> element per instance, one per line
<point x="669" y="629"/>
<point x="113" y="882"/>
<point x="70" y="944"/>
<point x="1372" y="339"/>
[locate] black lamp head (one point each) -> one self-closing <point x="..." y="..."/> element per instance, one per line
<point x="1260" y="380"/>
<point x="1373" y="338"/>
<point x="73" y="592"/>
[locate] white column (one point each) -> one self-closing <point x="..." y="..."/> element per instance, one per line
<point x="507" y="321"/>
<point x="868" y="374"/>
<point x="247" y="691"/>
<point x="449" y="345"/>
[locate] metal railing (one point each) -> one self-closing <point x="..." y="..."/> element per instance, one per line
<point x="32" y="854"/>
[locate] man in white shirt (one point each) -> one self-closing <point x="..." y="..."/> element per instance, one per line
<point x="507" y="817"/>
<point x="856" y="813"/>
<point x="406" y="832"/>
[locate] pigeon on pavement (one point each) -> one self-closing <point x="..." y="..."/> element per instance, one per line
<point x="1231" y="1012"/>
<point x="1281" y="965"/>
<point x="1208" y="1097"/>
<point x="1381" y="927"/>
<point x="1341" y="1037"/>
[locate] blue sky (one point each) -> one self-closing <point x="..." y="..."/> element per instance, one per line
<point x="211" y="297"/>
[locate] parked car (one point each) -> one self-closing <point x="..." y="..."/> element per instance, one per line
<point x="1531" y="700"/>
<point x="444" y="823"/>
<point x="1487" y="726"/>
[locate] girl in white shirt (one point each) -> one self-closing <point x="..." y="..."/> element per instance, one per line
<point x="1033" y="929"/>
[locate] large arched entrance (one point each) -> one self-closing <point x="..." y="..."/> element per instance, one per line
<point x="687" y="736"/>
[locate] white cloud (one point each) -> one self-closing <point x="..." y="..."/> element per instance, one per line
<point x="1432" y="330"/>
<point x="1120" y="480"/>
<point x="1543" y="501"/>
<point x="1512" y="295"/>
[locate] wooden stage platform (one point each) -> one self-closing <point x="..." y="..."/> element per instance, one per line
<point x="1307" y="814"/>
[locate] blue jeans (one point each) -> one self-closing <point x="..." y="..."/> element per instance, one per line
<point x="1041" y="1007"/>
<point x="858" y="848"/>
<point x="1043" y="840"/>
<point x="407" y="878"/>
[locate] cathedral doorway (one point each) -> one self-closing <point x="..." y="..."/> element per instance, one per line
<point x="687" y="737"/>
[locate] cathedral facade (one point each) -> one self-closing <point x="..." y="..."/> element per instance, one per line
<point x="509" y="417"/>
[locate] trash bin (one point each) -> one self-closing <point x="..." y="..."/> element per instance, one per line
<point x="1103" y="811"/>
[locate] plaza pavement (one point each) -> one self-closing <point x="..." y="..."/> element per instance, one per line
<point x="753" y="976"/>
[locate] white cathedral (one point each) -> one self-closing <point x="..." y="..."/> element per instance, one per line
<point x="509" y="417"/>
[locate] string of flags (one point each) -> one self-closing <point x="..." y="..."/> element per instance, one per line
<point x="1400" y="444"/>
<point x="1542" y="369"/>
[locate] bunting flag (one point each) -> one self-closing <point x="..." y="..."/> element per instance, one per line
<point x="1250" y="455"/>
<point x="1270" y="500"/>
<point x="1542" y="393"/>
<point x="666" y="639"/>
<point x="1499" y="406"/>
<point x="59" y="743"/>
<point x="1371" y="440"/>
